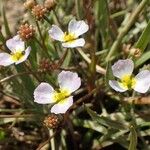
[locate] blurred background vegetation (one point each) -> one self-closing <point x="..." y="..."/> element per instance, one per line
<point x="100" y="117"/>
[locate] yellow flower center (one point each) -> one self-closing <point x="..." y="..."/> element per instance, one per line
<point x="61" y="95"/>
<point x="16" y="56"/>
<point x="69" y="37"/>
<point x="127" y="82"/>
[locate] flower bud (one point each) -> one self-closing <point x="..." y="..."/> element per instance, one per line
<point x="50" y="4"/>
<point x="29" y="4"/>
<point x="46" y="65"/>
<point x="136" y="52"/>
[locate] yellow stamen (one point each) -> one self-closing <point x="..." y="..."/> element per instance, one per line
<point x="61" y="95"/>
<point x="127" y="82"/>
<point x="69" y="37"/>
<point x="16" y="56"/>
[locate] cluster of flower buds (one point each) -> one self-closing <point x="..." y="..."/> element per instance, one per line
<point x="38" y="10"/>
<point x="26" y="32"/>
<point x="46" y="65"/>
<point x="52" y="121"/>
<point x="29" y="4"/>
<point x="117" y="5"/>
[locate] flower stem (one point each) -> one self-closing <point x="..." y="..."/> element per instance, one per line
<point x="78" y="9"/>
<point x="56" y="18"/>
<point x="47" y="20"/>
<point x="17" y="75"/>
<point x="52" y="141"/>
<point x="43" y="43"/>
<point x="88" y="60"/>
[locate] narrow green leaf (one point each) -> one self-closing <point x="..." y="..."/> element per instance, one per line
<point x="133" y="139"/>
<point x="109" y="74"/>
<point x="144" y="38"/>
<point x="7" y="30"/>
<point x="33" y="55"/>
<point x="105" y="120"/>
<point x="102" y="20"/>
<point x="2" y="39"/>
<point x="2" y="135"/>
<point x="142" y="59"/>
<point x="90" y="125"/>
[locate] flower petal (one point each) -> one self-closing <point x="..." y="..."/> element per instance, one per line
<point x="43" y="93"/>
<point x="77" y="27"/>
<point x="123" y="67"/>
<point x="69" y="80"/>
<point x="5" y="59"/>
<point x="15" y="44"/>
<point x="142" y="81"/>
<point x="27" y="52"/>
<point x="75" y="43"/>
<point x="114" y="84"/>
<point x="62" y="107"/>
<point x="56" y="33"/>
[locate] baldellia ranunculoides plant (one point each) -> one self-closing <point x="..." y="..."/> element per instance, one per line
<point x="45" y="90"/>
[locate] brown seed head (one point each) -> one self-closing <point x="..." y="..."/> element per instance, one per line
<point x="46" y="65"/>
<point x="39" y="11"/>
<point x="50" y="4"/>
<point x="26" y="32"/>
<point x="52" y="121"/>
<point x="29" y="4"/>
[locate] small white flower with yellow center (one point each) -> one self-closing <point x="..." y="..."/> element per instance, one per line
<point x="18" y="52"/>
<point x="123" y="69"/>
<point x="68" y="83"/>
<point x="71" y="38"/>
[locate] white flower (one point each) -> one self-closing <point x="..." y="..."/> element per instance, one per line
<point x="123" y="69"/>
<point x="68" y="83"/>
<point x="71" y="38"/>
<point x="18" y="52"/>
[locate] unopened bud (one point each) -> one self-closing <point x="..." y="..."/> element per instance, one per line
<point x="29" y="4"/>
<point x="50" y="4"/>
<point x="136" y="52"/>
<point x="46" y="65"/>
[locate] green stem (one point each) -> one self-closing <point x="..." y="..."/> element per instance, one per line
<point x="17" y="75"/>
<point x="88" y="60"/>
<point x="56" y="18"/>
<point x="125" y="29"/>
<point x="43" y="43"/>
<point x="78" y="9"/>
<point x="132" y="106"/>
<point x="47" y="20"/>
